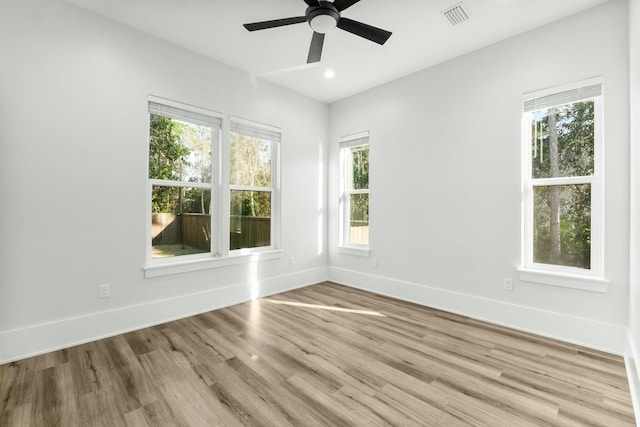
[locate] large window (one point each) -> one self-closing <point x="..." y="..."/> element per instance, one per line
<point x="209" y="194"/>
<point x="252" y="179"/>
<point x="562" y="133"/>
<point x="181" y="150"/>
<point x="354" y="198"/>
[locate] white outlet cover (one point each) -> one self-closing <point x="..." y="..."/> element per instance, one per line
<point x="508" y="284"/>
<point x="104" y="291"/>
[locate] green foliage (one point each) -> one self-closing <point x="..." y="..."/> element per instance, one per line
<point x="196" y="200"/>
<point x="575" y="226"/>
<point x="166" y="153"/>
<point x="575" y="157"/>
<point x="241" y="203"/>
<point x="164" y="199"/>
<point x="575" y="127"/>
<point x="174" y="249"/>
<point x="166" y="158"/>
<point x="197" y="140"/>
<point x="360" y="167"/>
<point x="179" y="151"/>
<point x="359" y="203"/>
<point x="250" y="164"/>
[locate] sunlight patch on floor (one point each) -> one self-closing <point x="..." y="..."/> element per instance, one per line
<point x="326" y="307"/>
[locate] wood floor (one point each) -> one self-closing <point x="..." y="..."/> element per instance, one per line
<point x="322" y="355"/>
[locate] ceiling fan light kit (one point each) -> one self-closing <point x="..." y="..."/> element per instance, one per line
<point x="322" y="17"/>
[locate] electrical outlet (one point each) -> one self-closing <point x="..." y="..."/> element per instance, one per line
<point x="374" y="262"/>
<point x="104" y="291"/>
<point x="508" y="284"/>
<point x="292" y="261"/>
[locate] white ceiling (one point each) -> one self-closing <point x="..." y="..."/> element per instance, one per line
<point x="422" y="36"/>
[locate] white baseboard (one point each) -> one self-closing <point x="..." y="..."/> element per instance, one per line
<point x="589" y="333"/>
<point x="632" y="361"/>
<point x="38" y="339"/>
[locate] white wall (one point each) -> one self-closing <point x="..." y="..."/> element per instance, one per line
<point x="73" y="141"/>
<point x="634" y="299"/>
<point x="445" y="180"/>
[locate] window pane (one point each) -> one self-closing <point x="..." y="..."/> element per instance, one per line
<point x="360" y="167"/>
<point x="562" y="225"/>
<point x="562" y="140"/>
<point x="250" y="161"/>
<point x="359" y="219"/>
<point x="250" y="219"/>
<point x="179" y="151"/>
<point x="180" y="221"/>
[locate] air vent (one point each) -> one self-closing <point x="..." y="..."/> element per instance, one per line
<point x="456" y="14"/>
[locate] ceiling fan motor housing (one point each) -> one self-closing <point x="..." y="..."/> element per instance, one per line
<point x="322" y="18"/>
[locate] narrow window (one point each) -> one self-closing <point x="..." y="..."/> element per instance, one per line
<point x="354" y="199"/>
<point x="563" y="180"/>
<point x="252" y="185"/>
<point x="181" y="141"/>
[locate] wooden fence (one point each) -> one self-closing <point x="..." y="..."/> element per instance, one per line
<point x="249" y="232"/>
<point x="359" y="232"/>
<point x="165" y="229"/>
<point x="195" y="230"/>
<point x="188" y="229"/>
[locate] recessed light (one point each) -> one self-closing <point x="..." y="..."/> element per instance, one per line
<point x="329" y="73"/>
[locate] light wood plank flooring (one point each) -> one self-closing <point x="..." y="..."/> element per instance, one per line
<point x="322" y="355"/>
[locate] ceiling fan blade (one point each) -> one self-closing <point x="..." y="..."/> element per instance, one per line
<point x="315" y="50"/>
<point x="369" y="32"/>
<point x="311" y="2"/>
<point x="275" y="23"/>
<point x="344" y="4"/>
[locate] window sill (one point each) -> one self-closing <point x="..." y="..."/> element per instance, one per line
<point x="352" y="250"/>
<point x="574" y="281"/>
<point x="185" y="266"/>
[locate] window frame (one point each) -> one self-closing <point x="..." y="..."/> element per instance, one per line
<point x="346" y="191"/>
<point x="202" y="117"/>
<point x="557" y="275"/>
<point x="219" y="255"/>
<point x="274" y="189"/>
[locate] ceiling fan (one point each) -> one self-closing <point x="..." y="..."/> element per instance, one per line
<point x="323" y="16"/>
